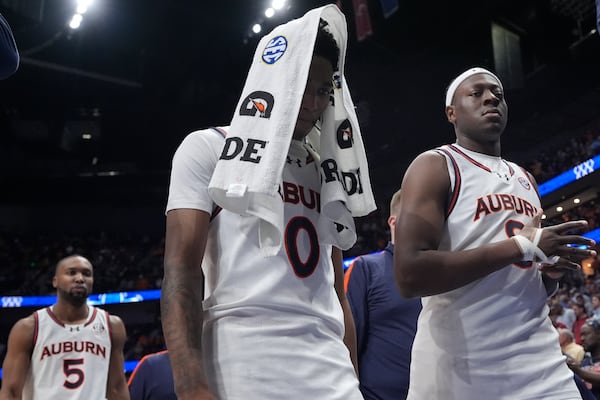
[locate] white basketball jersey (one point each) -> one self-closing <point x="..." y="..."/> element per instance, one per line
<point x="273" y="327"/>
<point x="492" y="338"/>
<point x="69" y="362"/>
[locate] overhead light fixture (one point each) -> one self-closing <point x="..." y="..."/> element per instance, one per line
<point x="277" y="4"/>
<point x="576" y="201"/>
<point x="75" y="21"/>
<point x="559" y="208"/>
<point x="543" y="216"/>
<point x="256" y="28"/>
<point x="269" y="12"/>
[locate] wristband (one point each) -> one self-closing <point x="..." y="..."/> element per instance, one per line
<point x="530" y="250"/>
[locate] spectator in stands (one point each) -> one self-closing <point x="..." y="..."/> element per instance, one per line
<point x="589" y="369"/>
<point x="556" y="310"/>
<point x="596" y="305"/>
<point x="569" y="347"/>
<point x="580" y="318"/>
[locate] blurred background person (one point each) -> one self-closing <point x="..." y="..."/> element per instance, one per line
<point x="385" y="321"/>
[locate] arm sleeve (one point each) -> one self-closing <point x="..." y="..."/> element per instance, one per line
<point x="9" y="55"/>
<point x="358" y="297"/>
<point x="193" y="165"/>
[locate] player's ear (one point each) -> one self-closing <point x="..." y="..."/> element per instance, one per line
<point x="450" y="114"/>
<point x="54" y="282"/>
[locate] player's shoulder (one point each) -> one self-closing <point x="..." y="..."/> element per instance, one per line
<point x="27" y="322"/>
<point x="198" y="142"/>
<point x="436" y="155"/>
<point x="213" y="134"/>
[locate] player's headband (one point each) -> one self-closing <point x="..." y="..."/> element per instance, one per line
<point x="462" y="77"/>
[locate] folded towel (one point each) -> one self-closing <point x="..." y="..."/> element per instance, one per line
<point x="249" y="171"/>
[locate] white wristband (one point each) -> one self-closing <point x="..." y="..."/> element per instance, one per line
<point x="530" y="251"/>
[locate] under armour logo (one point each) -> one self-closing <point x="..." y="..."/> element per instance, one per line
<point x="586" y="167"/>
<point x="74" y="329"/>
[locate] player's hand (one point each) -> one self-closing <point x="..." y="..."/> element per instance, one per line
<point x="559" y="240"/>
<point x="556" y="271"/>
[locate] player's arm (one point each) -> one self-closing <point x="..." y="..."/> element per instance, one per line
<point x="355" y="286"/>
<point x="18" y="358"/>
<point x="116" y="386"/>
<point x="588" y="375"/>
<point x="181" y="300"/>
<point x="349" y="332"/>
<point x="421" y="269"/>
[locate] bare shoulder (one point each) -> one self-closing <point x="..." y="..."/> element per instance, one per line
<point x="427" y="169"/>
<point x="429" y="159"/>
<point x="117" y="328"/>
<point x="23" y="331"/>
<point x="25" y="325"/>
<point x="116" y="322"/>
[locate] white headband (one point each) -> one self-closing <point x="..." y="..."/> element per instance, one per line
<point x="462" y="77"/>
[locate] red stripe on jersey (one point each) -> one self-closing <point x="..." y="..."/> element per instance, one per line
<point x="110" y="331"/>
<point x="221" y="131"/>
<point x="36" y="327"/>
<point x="54" y="317"/>
<point x="93" y="316"/>
<point x="457" y="183"/>
<point x="459" y="151"/>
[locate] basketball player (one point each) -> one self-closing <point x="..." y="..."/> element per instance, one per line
<point x="385" y="321"/>
<point x="265" y="332"/>
<point x="68" y="351"/>
<point x="472" y="246"/>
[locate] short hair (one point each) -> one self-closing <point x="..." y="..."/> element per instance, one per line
<point x="395" y="203"/>
<point x="326" y="46"/>
<point x="567" y="333"/>
<point x="62" y="260"/>
<point x="556" y="309"/>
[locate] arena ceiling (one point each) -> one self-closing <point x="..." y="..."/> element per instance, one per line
<point x="139" y="75"/>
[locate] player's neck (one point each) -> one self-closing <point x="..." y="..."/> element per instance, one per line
<point x="71" y="313"/>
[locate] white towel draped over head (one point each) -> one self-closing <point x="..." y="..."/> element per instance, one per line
<point x="249" y="171"/>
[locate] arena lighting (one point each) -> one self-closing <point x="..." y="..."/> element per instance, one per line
<point x="576" y="201"/>
<point x="269" y="12"/>
<point x="277" y="4"/>
<point x="559" y="208"/>
<point x="75" y="21"/>
<point x="256" y="28"/>
<point x="81" y="9"/>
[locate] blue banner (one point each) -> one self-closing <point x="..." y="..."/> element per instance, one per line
<point x="94" y="299"/>
<point x="575" y="173"/>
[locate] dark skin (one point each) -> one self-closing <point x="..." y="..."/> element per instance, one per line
<point x="73" y="282"/>
<point x="479" y="114"/>
<point x="186" y="236"/>
<point x="590" y="338"/>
